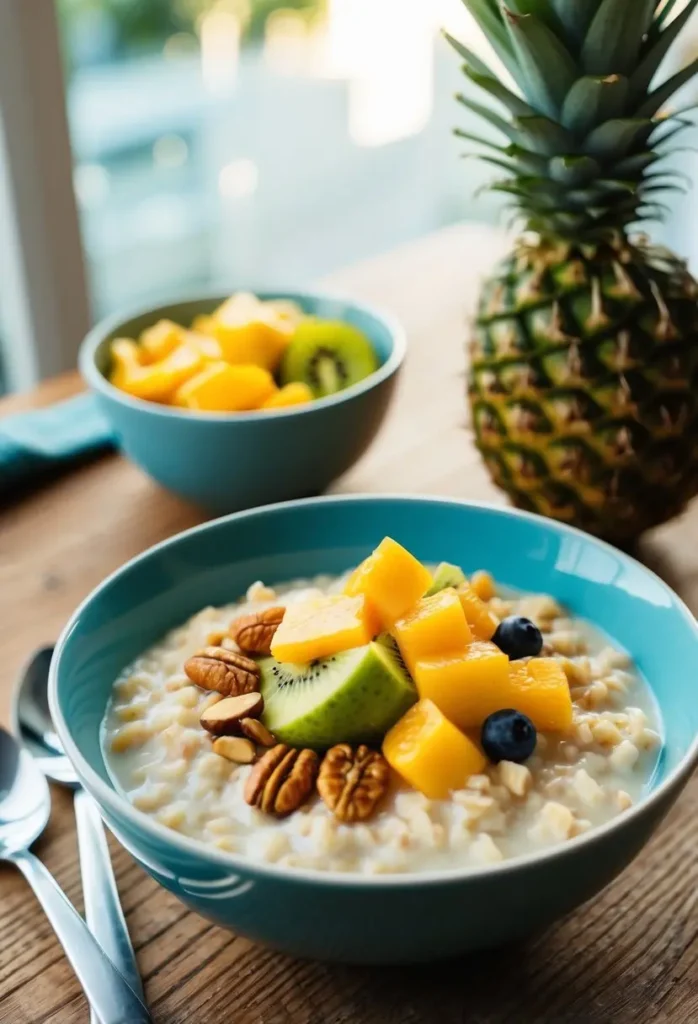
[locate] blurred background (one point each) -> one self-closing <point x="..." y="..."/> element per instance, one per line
<point x="263" y="141"/>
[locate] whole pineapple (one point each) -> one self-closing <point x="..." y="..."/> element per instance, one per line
<point x="584" y="361"/>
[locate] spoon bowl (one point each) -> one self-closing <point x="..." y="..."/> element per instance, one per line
<point x="25" y="801"/>
<point x="31" y="721"/>
<point x="25" y="806"/>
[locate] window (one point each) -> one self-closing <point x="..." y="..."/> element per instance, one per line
<point x="231" y="143"/>
<point x="257" y="142"/>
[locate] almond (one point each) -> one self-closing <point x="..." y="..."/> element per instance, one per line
<point x="224" y="717"/>
<point x="234" y="748"/>
<point x="257" y="732"/>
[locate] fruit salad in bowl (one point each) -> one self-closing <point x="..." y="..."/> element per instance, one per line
<point x="400" y="718"/>
<point x="243" y="400"/>
<point x="247" y="354"/>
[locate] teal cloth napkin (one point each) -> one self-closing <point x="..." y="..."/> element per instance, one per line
<point x="34" y="444"/>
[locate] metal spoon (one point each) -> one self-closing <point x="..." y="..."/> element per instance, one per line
<point x="25" y="805"/>
<point x="32" y="725"/>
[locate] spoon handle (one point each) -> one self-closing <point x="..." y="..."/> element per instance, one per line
<point x="103" y="912"/>
<point x="108" y="993"/>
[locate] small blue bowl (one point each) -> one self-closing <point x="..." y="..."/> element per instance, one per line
<point x="230" y="461"/>
<point x="395" y="918"/>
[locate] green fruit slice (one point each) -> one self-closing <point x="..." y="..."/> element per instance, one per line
<point x="446" y="575"/>
<point x="352" y="697"/>
<point x="328" y="356"/>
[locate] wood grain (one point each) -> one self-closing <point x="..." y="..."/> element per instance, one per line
<point x="629" y="956"/>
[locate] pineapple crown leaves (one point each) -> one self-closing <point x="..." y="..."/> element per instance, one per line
<point x="586" y="126"/>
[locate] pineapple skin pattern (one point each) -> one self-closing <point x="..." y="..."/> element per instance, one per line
<point x="583" y="369"/>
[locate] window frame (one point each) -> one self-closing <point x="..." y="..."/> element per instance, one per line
<point x="45" y="302"/>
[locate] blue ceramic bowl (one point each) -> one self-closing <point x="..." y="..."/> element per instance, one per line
<point x="232" y="461"/>
<point x="372" y="919"/>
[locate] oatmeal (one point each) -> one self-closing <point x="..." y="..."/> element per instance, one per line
<point x="164" y="749"/>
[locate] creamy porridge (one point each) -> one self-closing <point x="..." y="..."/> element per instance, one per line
<point x="164" y="761"/>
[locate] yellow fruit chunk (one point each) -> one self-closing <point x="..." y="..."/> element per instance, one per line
<point x="435" y="626"/>
<point x="125" y="361"/>
<point x="249" y="331"/>
<point x="209" y="348"/>
<point x="155" y="382"/>
<point x="539" y="689"/>
<point x="291" y="394"/>
<point x="468" y="686"/>
<point x="430" y="753"/>
<point x="391" y="579"/>
<point x="203" y="324"/>
<point x="483" y="585"/>
<point x="322" y="626"/>
<point x="159" y="340"/>
<point x="221" y="387"/>
<point x="480" y="619"/>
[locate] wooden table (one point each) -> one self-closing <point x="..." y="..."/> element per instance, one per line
<point x="631" y="955"/>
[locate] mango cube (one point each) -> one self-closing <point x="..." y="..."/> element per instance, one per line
<point x="207" y="346"/>
<point x="430" y="753"/>
<point x="296" y="393"/>
<point x="322" y="626"/>
<point x="482" y="584"/>
<point x="480" y="619"/>
<point x="435" y="626"/>
<point x="159" y="340"/>
<point x="250" y="331"/>
<point x="466" y="687"/>
<point x="155" y="382"/>
<point x="125" y="361"/>
<point x="224" y="388"/>
<point x="391" y="579"/>
<point x="203" y="324"/>
<point x="539" y="689"/>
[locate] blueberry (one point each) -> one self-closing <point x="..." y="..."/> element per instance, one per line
<point x="508" y="736"/>
<point x="518" y="637"/>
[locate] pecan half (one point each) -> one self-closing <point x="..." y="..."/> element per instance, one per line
<point x="254" y="633"/>
<point x="229" y="673"/>
<point x="282" y="780"/>
<point x="352" y="783"/>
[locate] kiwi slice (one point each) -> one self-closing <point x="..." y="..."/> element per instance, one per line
<point x="352" y="697"/>
<point x="446" y="575"/>
<point x="328" y="356"/>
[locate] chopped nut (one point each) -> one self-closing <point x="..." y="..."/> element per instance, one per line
<point x="624" y="800"/>
<point x="224" y="718"/>
<point x="587" y="788"/>
<point x="258" y="591"/>
<point x="257" y="732"/>
<point x="481" y="783"/>
<point x="624" y="756"/>
<point x="234" y="748"/>
<point x="282" y="780"/>
<point x="606" y="733"/>
<point x="516" y="777"/>
<point x="485" y="851"/>
<point x="352" y="783"/>
<point x="135" y="734"/>
<point x="254" y="633"/>
<point x="556" y="821"/>
<point x="215" y="668"/>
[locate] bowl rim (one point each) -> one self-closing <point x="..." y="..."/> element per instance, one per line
<point x="119" y="805"/>
<point x="109" y="324"/>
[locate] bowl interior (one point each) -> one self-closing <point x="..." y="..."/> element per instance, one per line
<point x="215" y="563"/>
<point x="326" y="307"/>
